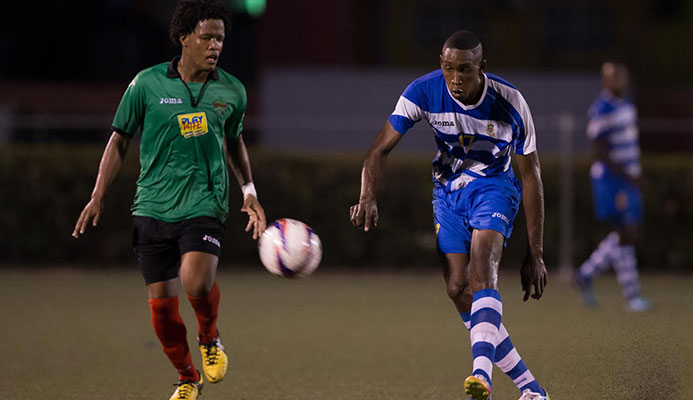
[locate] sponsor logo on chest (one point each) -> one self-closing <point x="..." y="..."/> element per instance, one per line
<point x="193" y="124"/>
<point x="170" y="100"/>
<point x="443" y="123"/>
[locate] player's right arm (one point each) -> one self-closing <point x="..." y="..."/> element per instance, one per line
<point x="109" y="166"/>
<point x="365" y="213"/>
<point x="127" y="120"/>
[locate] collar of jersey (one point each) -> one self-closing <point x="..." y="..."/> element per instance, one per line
<point x="172" y="71"/>
<point x="473" y="106"/>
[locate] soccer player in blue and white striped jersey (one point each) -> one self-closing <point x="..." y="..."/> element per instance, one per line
<point x="615" y="175"/>
<point x="478" y="119"/>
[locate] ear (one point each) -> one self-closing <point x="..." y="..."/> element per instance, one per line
<point x="183" y="39"/>
<point x="441" y="61"/>
<point x="482" y="65"/>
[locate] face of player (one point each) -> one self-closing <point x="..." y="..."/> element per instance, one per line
<point x="203" y="46"/>
<point x="463" y="72"/>
<point x="615" y="78"/>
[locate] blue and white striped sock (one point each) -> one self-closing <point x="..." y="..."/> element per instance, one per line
<point x="487" y="310"/>
<point x="509" y="361"/>
<point x="626" y="267"/>
<point x="601" y="258"/>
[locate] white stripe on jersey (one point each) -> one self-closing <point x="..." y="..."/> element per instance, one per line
<point x="628" y="135"/>
<point x="627" y="153"/>
<point x="406" y="108"/>
<point x="623" y="116"/>
<point x="514" y="97"/>
<point x="451" y="123"/>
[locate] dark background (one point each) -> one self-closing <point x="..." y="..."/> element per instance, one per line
<point x="322" y="78"/>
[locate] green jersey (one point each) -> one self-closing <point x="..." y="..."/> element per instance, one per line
<point x="183" y="170"/>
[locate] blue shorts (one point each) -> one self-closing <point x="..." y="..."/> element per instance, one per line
<point x="616" y="200"/>
<point x="485" y="203"/>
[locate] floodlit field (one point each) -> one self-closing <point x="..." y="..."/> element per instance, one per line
<point x="86" y="334"/>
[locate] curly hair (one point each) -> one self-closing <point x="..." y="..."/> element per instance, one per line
<point x="189" y="13"/>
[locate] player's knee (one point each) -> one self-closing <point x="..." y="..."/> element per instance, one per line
<point x="454" y="290"/>
<point x="197" y="287"/>
<point x="460" y="293"/>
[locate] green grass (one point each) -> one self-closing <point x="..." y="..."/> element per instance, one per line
<point x="86" y="334"/>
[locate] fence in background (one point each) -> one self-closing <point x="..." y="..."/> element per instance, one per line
<point x="567" y="127"/>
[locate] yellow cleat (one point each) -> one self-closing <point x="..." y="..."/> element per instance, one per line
<point x="188" y="390"/>
<point x="214" y="360"/>
<point x="477" y="387"/>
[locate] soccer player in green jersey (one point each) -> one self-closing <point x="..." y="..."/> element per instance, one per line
<point x="190" y="113"/>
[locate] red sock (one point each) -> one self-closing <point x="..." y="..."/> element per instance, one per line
<point x="170" y="329"/>
<point x="206" y="312"/>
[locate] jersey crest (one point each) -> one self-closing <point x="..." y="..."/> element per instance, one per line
<point x="220" y="106"/>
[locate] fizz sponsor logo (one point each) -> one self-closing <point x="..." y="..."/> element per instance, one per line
<point x="194" y="124"/>
<point x="212" y="240"/>
<point x="170" y="100"/>
<point x="501" y="216"/>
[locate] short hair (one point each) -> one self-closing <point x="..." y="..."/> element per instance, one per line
<point x="189" y="13"/>
<point x="462" y="40"/>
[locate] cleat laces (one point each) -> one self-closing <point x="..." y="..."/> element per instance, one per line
<point x="212" y="353"/>
<point x="185" y="389"/>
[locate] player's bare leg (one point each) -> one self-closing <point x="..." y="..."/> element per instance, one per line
<point x="198" y="273"/>
<point x="456" y="275"/>
<point x="486" y="252"/>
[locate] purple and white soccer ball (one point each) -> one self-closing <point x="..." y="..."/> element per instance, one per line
<point x="290" y="248"/>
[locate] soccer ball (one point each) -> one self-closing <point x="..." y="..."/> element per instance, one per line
<point x="290" y="248"/>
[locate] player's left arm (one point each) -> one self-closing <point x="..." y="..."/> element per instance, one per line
<point x="239" y="162"/>
<point x="533" y="272"/>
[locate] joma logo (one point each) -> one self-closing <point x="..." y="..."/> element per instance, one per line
<point x="443" y="123"/>
<point x="170" y="100"/>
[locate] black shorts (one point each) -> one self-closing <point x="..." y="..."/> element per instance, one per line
<point x="159" y="245"/>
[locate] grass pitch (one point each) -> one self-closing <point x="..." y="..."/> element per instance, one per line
<point x="86" y="334"/>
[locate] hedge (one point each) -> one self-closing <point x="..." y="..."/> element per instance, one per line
<point x="45" y="187"/>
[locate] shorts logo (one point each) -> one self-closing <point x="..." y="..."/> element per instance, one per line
<point x="501" y="216"/>
<point x="194" y="124"/>
<point x="212" y="240"/>
<point x="170" y="100"/>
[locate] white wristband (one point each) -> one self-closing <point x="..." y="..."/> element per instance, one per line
<point x="248" y="189"/>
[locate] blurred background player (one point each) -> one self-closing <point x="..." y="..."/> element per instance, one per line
<point x="615" y="175"/>
<point x="478" y="119"/>
<point x="191" y="115"/>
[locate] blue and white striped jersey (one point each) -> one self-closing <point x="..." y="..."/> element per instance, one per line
<point x="616" y="121"/>
<point x="473" y="140"/>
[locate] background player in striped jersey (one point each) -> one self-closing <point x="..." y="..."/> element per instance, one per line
<point x="615" y="175"/>
<point x="191" y="116"/>
<point x="478" y="119"/>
